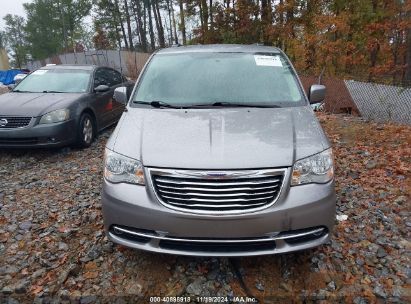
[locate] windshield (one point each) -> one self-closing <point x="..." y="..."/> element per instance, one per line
<point x="211" y="78"/>
<point x="55" y="80"/>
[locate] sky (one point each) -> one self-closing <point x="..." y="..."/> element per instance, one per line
<point x="14" y="7"/>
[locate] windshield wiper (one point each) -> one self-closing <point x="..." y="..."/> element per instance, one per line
<point x="52" y="91"/>
<point x="158" y="104"/>
<point x="18" y="91"/>
<point x="233" y="104"/>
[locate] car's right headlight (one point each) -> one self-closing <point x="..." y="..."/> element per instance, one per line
<point x="317" y="168"/>
<point x="121" y="169"/>
<point x="55" y="116"/>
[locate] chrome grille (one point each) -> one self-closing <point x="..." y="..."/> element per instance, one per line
<point x="217" y="192"/>
<point x="12" y="122"/>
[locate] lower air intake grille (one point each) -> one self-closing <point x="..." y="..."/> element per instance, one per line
<point x="217" y="192"/>
<point x="19" y="141"/>
<point x="217" y="247"/>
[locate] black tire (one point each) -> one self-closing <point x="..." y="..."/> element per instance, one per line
<point x="86" y="131"/>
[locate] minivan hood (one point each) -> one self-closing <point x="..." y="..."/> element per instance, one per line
<point x="34" y="104"/>
<point x="228" y="138"/>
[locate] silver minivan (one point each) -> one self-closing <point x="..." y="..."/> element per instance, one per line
<point x="218" y="153"/>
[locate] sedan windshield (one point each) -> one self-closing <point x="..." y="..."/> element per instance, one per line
<point x="190" y="79"/>
<point x="55" y="81"/>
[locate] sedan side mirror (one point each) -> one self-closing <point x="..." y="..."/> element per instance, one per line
<point x="101" y="88"/>
<point x="120" y="95"/>
<point x="317" y="93"/>
<point x="11" y="87"/>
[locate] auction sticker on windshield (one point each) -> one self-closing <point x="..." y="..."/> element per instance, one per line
<point x="263" y="60"/>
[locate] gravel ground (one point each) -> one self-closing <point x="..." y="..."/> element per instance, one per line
<point x="53" y="248"/>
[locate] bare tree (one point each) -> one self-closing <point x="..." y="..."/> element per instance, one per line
<point x="150" y="25"/>
<point x="182" y="21"/>
<point x="128" y="21"/>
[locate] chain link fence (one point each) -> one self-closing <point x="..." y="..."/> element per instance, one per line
<point x="373" y="101"/>
<point x="381" y="102"/>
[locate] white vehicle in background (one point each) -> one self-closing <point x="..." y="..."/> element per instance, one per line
<point x="19" y="77"/>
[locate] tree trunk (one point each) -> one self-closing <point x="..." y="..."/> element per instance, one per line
<point x="174" y="23"/>
<point x="128" y="21"/>
<point x="140" y="28"/>
<point x="144" y="19"/>
<point x="182" y="22"/>
<point x="205" y="14"/>
<point x="201" y="15"/>
<point x="120" y="21"/>
<point x="171" y="40"/>
<point x="373" y="58"/>
<point x="159" y="23"/>
<point x="407" y="76"/>
<point x="265" y="20"/>
<point x="155" y="15"/>
<point x="150" y="26"/>
<point x="211" y="13"/>
<point x="282" y="12"/>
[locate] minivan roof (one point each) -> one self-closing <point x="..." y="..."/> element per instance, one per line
<point x="220" y="48"/>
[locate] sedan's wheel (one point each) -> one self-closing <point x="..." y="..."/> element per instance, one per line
<point x="86" y="130"/>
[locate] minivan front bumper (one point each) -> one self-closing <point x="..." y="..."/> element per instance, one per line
<point x="303" y="217"/>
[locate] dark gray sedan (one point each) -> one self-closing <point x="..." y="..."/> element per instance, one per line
<point x="60" y="105"/>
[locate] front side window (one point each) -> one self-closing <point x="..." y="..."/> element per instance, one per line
<point x="102" y="77"/>
<point x="116" y="77"/>
<point x="107" y="77"/>
<point x="205" y="78"/>
<point x="55" y="80"/>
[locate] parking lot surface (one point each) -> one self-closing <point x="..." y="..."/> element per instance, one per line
<point x="53" y="247"/>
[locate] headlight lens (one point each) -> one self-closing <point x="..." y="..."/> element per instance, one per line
<point x="55" y="116"/>
<point x="122" y="169"/>
<point x="318" y="168"/>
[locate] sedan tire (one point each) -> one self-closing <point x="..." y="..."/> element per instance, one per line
<point x="86" y="131"/>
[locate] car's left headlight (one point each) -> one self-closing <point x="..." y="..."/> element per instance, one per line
<point x="317" y="168"/>
<point x="121" y="169"/>
<point x="55" y="116"/>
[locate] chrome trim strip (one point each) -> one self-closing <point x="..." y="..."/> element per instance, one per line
<point x="217" y="201"/>
<point x="216" y="190"/>
<point x="232" y="173"/>
<point x="161" y="180"/>
<point x="217" y="206"/>
<point x="216" y="195"/>
<point x="290" y="236"/>
<point x="168" y="238"/>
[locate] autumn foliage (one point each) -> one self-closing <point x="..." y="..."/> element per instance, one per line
<point x="365" y="38"/>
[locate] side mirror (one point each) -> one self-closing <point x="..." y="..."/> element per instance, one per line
<point x="120" y="95"/>
<point x="101" y="88"/>
<point x="317" y="93"/>
<point x="11" y="87"/>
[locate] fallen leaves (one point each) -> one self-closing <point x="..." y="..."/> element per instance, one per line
<point x="63" y="229"/>
<point x="90" y="274"/>
<point x="376" y="201"/>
